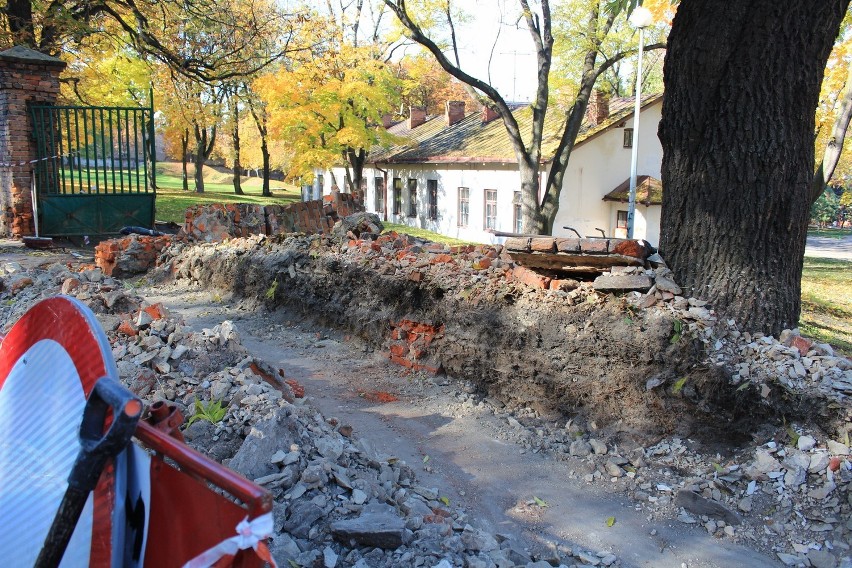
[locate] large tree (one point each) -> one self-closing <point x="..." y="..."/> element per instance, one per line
<point x="597" y="21"/>
<point x="742" y="80"/>
<point x="170" y="31"/>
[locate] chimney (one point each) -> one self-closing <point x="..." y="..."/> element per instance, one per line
<point x="416" y="117"/>
<point x="454" y="112"/>
<point x="387" y="121"/>
<point x="488" y="114"/>
<point x="598" y="109"/>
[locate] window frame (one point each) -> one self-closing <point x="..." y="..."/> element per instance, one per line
<point x="379" y="198"/>
<point x="518" y="212"/>
<point x="618" y="219"/>
<point x="463" y="206"/>
<point x="397" y="196"/>
<point x="490" y="204"/>
<point x="628" y="138"/>
<point x="432" y="199"/>
<point x="412" y="197"/>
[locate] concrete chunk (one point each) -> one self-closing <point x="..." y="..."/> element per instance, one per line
<point x="380" y="530"/>
<point x="618" y="282"/>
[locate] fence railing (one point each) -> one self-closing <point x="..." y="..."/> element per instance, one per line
<point x="94" y="150"/>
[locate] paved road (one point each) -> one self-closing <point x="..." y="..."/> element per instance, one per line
<point x="827" y="247"/>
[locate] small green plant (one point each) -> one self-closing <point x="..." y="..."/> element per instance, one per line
<point x="270" y="292"/>
<point x="678" y="386"/>
<point x="212" y="411"/>
<point x="678" y="331"/>
<point x="794" y="436"/>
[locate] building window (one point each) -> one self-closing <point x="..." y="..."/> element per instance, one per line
<point x="490" y="208"/>
<point x="518" y="210"/>
<point x="397" y="196"/>
<point x="432" y="186"/>
<point x="412" y="198"/>
<point x="464" y="206"/>
<point x="621" y="220"/>
<point x="379" y="184"/>
<point x="628" y="137"/>
<point x="320" y="183"/>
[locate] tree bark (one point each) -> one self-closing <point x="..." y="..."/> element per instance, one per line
<point x="742" y="81"/>
<point x="184" y="146"/>
<point x="203" y="148"/>
<point x="235" y="137"/>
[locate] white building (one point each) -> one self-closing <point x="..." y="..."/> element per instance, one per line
<point x="457" y="173"/>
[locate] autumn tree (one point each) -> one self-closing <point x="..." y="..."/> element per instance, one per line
<point x="742" y="81"/>
<point x="163" y="30"/>
<point x="425" y="84"/>
<point x="834" y="112"/>
<point x="330" y="109"/>
<point x="596" y="20"/>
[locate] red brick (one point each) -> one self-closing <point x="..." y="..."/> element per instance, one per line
<point x="542" y="245"/>
<point x="530" y="278"/>
<point x="127" y="328"/>
<point x="802" y="344"/>
<point x="594" y="245"/>
<point x="441" y="259"/>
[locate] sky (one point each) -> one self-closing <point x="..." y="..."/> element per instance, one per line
<point x="513" y="65"/>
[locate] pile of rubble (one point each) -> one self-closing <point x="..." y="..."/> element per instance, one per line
<point x="789" y="488"/>
<point x="337" y="502"/>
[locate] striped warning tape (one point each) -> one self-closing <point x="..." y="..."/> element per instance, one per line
<point x="10" y="165"/>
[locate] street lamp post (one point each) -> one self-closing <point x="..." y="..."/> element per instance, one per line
<point x="640" y="18"/>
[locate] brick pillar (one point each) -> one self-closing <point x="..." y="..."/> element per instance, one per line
<point x="26" y="77"/>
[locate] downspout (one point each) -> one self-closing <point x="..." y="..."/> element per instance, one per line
<point x="384" y="191"/>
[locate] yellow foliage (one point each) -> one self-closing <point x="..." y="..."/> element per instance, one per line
<point x="324" y="105"/>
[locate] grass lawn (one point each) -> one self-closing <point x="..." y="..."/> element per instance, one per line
<point x="172" y="200"/>
<point x="827" y="302"/>
<point x="424" y="234"/>
<point x="832" y="233"/>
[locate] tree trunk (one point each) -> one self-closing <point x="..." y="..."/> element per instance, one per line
<point x="184" y="146"/>
<point x="264" y="151"/>
<point x="19" y="14"/>
<point x="235" y="136"/>
<point x="742" y="80"/>
<point x="203" y="149"/>
<point x="356" y="158"/>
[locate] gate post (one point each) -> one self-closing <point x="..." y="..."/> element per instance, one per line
<point x="26" y="77"/>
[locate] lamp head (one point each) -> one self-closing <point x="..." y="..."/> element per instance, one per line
<point x="641" y="18"/>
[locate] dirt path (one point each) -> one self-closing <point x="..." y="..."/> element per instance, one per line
<point x="829" y="247"/>
<point x="454" y="445"/>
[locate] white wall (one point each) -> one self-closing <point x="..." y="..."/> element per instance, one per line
<point x="477" y="178"/>
<point x="599" y="165"/>
<point x="596" y="168"/>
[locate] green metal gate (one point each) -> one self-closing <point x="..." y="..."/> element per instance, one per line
<point x="96" y="169"/>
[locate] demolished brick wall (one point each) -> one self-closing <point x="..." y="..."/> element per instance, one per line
<point x="218" y="221"/>
<point x="131" y="255"/>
